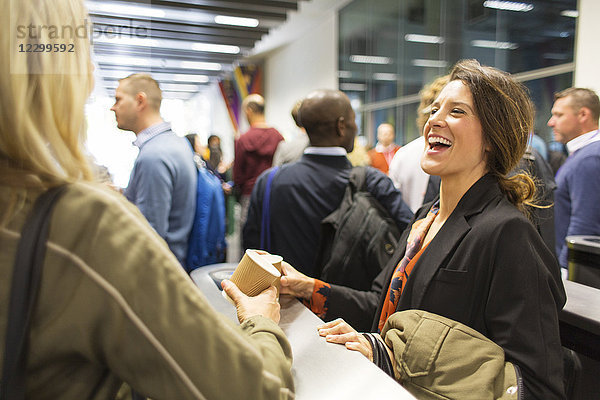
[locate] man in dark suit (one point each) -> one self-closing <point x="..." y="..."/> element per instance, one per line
<point x="305" y="192"/>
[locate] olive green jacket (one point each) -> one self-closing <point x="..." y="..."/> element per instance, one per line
<point x="115" y="306"/>
<point x="438" y="358"/>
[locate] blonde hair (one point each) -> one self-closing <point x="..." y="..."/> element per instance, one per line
<point x="428" y="95"/>
<point x="42" y="95"/>
<point x="136" y="83"/>
<point x="506" y="114"/>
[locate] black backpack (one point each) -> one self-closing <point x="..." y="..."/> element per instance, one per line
<point x="357" y="239"/>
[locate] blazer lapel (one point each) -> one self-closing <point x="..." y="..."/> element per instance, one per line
<point x="389" y="271"/>
<point x="447" y="239"/>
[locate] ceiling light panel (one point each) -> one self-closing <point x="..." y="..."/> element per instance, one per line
<point x="149" y="11"/>
<point x="384" y="76"/>
<point x="414" y="37"/>
<point x="165" y="87"/>
<point x="419" y="62"/>
<point x="236" y="21"/>
<point x="491" y="44"/>
<point x="570" y="13"/>
<point x="354" y="87"/>
<point x="115" y="59"/>
<point x="178" y="87"/>
<point x="168" y="44"/>
<point x="160" y="76"/>
<point x="508" y="5"/>
<point x="361" y="59"/>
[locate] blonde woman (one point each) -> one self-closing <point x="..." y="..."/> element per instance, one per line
<point x="114" y="305"/>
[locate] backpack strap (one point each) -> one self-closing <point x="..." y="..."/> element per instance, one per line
<point x="358" y="179"/>
<point x="26" y="280"/>
<point x="265" y="231"/>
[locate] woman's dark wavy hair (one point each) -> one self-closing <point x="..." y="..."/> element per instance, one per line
<point x="506" y="114"/>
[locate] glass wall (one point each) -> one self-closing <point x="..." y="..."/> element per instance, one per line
<point x="389" y="49"/>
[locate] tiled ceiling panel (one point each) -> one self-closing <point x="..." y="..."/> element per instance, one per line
<point x="184" y="44"/>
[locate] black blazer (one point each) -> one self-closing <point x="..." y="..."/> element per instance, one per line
<point x="488" y="268"/>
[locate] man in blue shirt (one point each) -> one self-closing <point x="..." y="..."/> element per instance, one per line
<point x="575" y="122"/>
<point x="164" y="178"/>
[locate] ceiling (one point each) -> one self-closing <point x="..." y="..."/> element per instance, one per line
<point x="178" y="41"/>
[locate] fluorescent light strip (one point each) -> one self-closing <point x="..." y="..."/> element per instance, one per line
<point x="570" y="13"/>
<point x="186" y="78"/>
<point x="384" y="76"/>
<point x="114" y="8"/>
<point x="370" y="59"/>
<point x="209" y="66"/>
<point x="165" y="87"/>
<point x="344" y="74"/>
<point x="354" y="87"/>
<point x="414" y="37"/>
<point x="161" y="76"/>
<point x="155" y="62"/>
<point x="236" y="21"/>
<point x="110" y="8"/>
<point x="419" y="62"/>
<point x="168" y="44"/>
<point x="494" y="45"/>
<point x="508" y="5"/>
<point x="216" y="48"/>
<point x="178" y="87"/>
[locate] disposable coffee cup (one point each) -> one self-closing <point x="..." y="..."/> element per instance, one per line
<point x="255" y="273"/>
<point x="276" y="261"/>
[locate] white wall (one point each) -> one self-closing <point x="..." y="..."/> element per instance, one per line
<point x="301" y="57"/>
<point x="587" y="50"/>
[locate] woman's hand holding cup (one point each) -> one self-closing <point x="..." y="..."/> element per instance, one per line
<point x="296" y="283"/>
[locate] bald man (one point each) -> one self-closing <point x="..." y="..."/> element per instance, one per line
<point x="305" y="192"/>
<point x="383" y="152"/>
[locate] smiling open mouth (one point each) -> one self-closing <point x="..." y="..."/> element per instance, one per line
<point x="438" y="143"/>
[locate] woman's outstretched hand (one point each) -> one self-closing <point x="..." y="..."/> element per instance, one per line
<point x="296" y="283"/>
<point x="338" y="331"/>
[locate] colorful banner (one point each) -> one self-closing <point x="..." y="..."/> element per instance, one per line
<point x="244" y="80"/>
<point x="232" y="101"/>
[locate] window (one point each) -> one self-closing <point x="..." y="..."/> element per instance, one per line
<point x="389" y="49"/>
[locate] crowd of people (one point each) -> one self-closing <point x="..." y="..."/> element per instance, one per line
<point x="481" y="209"/>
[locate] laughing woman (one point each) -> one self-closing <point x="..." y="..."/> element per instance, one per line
<point x="472" y="256"/>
